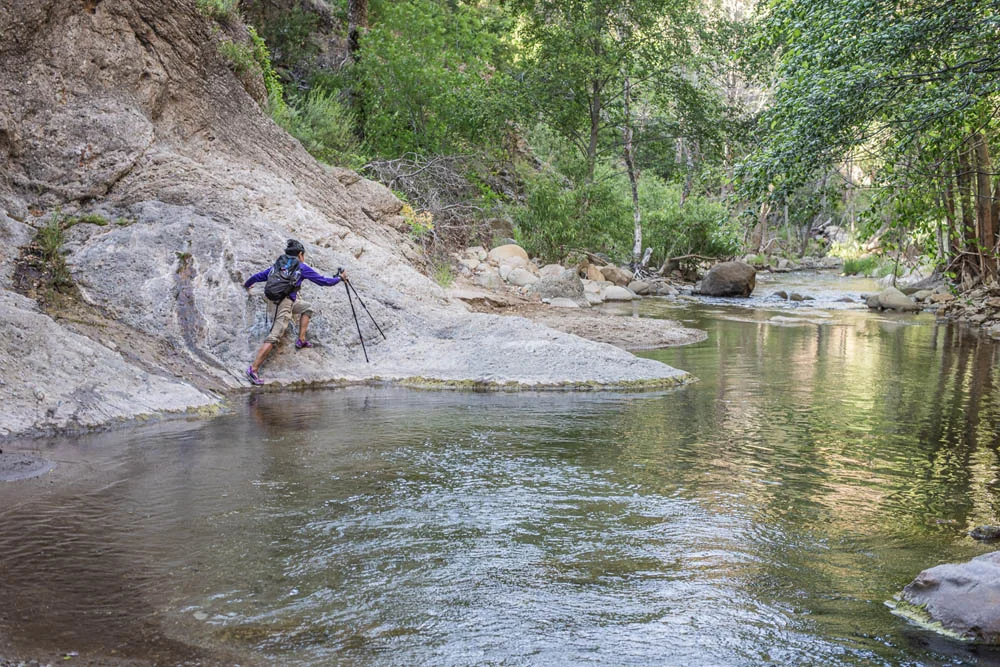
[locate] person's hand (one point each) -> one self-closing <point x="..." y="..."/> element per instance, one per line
<point x="343" y="275"/>
<point x="249" y="289"/>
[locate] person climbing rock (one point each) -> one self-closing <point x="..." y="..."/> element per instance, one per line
<point x="283" y="280"/>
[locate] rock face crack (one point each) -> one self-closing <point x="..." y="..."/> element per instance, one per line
<point x="188" y="316"/>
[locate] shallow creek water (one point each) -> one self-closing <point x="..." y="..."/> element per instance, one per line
<point x="763" y="515"/>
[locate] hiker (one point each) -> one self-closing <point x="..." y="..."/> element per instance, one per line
<point x="283" y="281"/>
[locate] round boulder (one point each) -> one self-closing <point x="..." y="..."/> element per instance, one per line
<point x="618" y="293"/>
<point x="957" y="599"/>
<point x="618" y="276"/>
<point x="503" y="252"/>
<point x="591" y="272"/>
<point x="639" y="286"/>
<point x="729" y="279"/>
<point x="566" y="285"/>
<point x="891" y="299"/>
<point x="550" y="270"/>
<point x="521" y="277"/>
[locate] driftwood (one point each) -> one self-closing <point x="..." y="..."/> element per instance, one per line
<point x="675" y="261"/>
<point x="592" y="257"/>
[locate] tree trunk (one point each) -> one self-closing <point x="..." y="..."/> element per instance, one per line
<point x="765" y="210"/>
<point x="633" y="177"/>
<point x="595" y="127"/>
<point x="984" y="206"/>
<point x="948" y="241"/>
<point x="357" y="24"/>
<point x="963" y="178"/>
<point x="996" y="220"/>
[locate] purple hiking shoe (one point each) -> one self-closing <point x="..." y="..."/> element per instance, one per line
<point x="252" y="374"/>
<point x="299" y="344"/>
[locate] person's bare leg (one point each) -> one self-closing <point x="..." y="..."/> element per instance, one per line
<point x="303" y="326"/>
<point x="265" y="349"/>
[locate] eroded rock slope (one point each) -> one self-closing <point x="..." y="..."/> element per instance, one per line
<point x="126" y="109"/>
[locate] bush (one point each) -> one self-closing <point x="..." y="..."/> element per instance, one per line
<point x="559" y="216"/>
<point x="220" y="10"/>
<point x="868" y="265"/>
<point x="700" y="226"/>
<point x="427" y="82"/>
<point x="324" y="126"/>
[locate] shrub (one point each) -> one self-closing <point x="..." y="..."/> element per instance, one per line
<point x="427" y="80"/>
<point x="220" y="10"/>
<point x="443" y="273"/>
<point x="867" y="265"/>
<point x="700" y="226"/>
<point x="50" y="260"/>
<point x="324" y="126"/>
<point x="261" y="56"/>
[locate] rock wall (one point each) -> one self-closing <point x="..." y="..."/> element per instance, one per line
<point x="126" y="109"/>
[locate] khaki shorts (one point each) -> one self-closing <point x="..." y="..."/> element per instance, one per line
<point x="287" y="309"/>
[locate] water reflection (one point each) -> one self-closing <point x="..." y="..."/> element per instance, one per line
<point x="760" y="516"/>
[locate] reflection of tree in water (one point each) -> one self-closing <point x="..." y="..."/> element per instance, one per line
<point x="849" y="456"/>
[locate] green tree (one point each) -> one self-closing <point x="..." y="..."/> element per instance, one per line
<point x="431" y="78"/>
<point x="912" y="89"/>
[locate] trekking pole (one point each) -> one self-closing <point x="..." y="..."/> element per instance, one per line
<point x="351" y="287"/>
<point x="353" y="312"/>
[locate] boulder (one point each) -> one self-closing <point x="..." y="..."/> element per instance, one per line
<point x="566" y="285"/>
<point x="618" y="276"/>
<point x="489" y="279"/>
<point x="522" y="277"/>
<point x="503" y="252"/>
<point x="961" y="600"/>
<point x="618" y="293"/>
<point x="562" y="302"/>
<point x="469" y="263"/>
<point x="476" y="252"/>
<point x="591" y="272"/>
<point x="663" y="288"/>
<point x="550" y="270"/>
<point x="729" y="279"/>
<point x="891" y="299"/>
<point x="131" y="112"/>
<point x="640" y="287"/>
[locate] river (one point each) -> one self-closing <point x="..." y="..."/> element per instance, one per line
<point x="763" y="515"/>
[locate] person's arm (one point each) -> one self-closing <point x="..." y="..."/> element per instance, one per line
<point x="258" y="277"/>
<point x="309" y="273"/>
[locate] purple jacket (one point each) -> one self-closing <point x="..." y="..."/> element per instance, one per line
<point x="308" y="273"/>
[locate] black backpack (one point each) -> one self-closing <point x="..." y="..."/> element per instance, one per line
<point x="284" y="276"/>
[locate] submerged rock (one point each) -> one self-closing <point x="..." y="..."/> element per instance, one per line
<point x="985" y="533"/>
<point x="961" y="600"/>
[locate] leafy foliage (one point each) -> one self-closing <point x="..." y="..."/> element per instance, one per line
<point x="220" y="10"/>
<point x="428" y="82"/>
<point x="907" y="89"/>
<point x="325" y="127"/>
